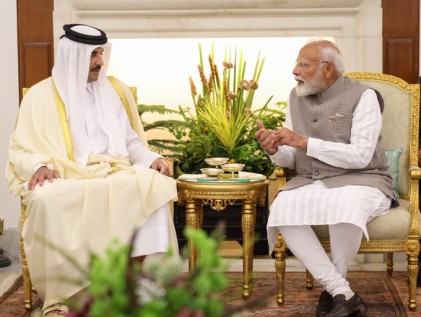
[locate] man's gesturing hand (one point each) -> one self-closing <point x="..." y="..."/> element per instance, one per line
<point x="270" y="140"/>
<point x="266" y="138"/>
<point x="285" y="136"/>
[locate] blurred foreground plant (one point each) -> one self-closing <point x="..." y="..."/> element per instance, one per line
<point x="159" y="287"/>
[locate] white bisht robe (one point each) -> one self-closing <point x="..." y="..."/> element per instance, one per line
<point x="85" y="209"/>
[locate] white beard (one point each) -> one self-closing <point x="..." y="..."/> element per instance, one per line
<point x="311" y="87"/>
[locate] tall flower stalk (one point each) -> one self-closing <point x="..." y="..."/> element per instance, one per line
<point x="224" y="105"/>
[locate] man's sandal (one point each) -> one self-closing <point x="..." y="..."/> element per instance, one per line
<point x="58" y="309"/>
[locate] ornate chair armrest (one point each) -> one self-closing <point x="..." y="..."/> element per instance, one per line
<point x="415" y="175"/>
<point x="415" y="172"/>
<point x="283" y="175"/>
<point x="280" y="175"/>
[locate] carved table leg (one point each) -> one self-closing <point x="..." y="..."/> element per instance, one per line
<point x="193" y="220"/>
<point x="248" y="221"/>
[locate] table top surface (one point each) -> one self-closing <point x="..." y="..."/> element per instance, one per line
<point x="242" y="177"/>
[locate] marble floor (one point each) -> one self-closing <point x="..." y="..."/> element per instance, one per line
<point x="8" y="275"/>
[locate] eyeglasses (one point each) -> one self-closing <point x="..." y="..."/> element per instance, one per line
<point x="305" y="65"/>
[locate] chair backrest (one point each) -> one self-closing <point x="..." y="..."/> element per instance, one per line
<point x="24" y="91"/>
<point x="400" y="119"/>
<point x="133" y="89"/>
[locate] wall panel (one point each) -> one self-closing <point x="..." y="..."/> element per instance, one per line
<point x="36" y="60"/>
<point x="35" y="41"/>
<point x="401" y="25"/>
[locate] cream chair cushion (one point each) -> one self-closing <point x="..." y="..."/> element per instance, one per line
<point x="394" y="225"/>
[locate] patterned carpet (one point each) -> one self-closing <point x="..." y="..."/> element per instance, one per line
<point x="12" y="301"/>
<point x="385" y="297"/>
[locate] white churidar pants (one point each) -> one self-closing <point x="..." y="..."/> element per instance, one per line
<point x="346" y="210"/>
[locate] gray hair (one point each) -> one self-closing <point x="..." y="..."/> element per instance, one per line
<point x="331" y="53"/>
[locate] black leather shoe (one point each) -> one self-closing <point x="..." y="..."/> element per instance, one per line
<point x="324" y="305"/>
<point x="345" y="308"/>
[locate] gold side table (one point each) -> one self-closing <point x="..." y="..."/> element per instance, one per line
<point x="218" y="195"/>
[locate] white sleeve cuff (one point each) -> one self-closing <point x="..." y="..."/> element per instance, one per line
<point x="148" y="159"/>
<point x="39" y="165"/>
<point x="313" y="146"/>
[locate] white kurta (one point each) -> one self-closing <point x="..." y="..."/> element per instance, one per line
<point x="314" y="204"/>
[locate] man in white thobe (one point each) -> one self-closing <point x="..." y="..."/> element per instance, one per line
<point x="79" y="160"/>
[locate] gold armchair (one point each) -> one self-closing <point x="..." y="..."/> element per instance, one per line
<point x="27" y="284"/>
<point x="399" y="230"/>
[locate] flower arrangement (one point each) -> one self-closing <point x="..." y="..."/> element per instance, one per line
<point x="225" y="103"/>
<point x="223" y="121"/>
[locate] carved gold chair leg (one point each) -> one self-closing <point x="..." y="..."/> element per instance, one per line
<point x="309" y="280"/>
<point x="412" y="272"/>
<point x="280" y="265"/>
<point x="389" y="264"/>
<point x="27" y="284"/>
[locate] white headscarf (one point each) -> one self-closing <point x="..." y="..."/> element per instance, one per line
<point x="70" y="75"/>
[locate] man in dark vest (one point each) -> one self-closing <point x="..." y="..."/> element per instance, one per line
<point x="331" y="138"/>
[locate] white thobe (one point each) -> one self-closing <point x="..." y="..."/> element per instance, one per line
<point x="153" y="236"/>
<point x="90" y="205"/>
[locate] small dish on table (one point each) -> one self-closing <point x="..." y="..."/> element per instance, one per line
<point x="216" y="161"/>
<point x="232" y="167"/>
<point x="212" y="171"/>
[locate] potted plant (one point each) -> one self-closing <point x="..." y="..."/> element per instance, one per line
<point x="222" y="121"/>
